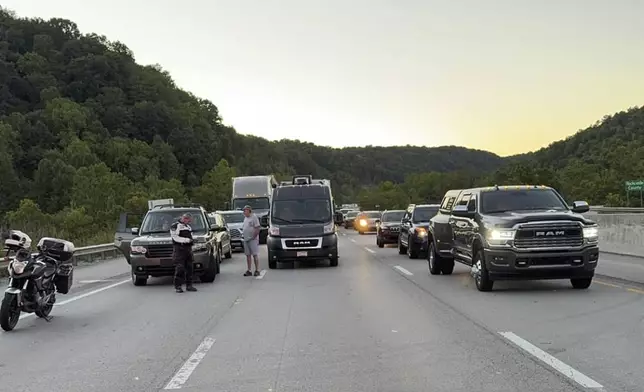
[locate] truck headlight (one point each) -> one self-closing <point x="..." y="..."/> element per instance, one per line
<point x="500" y="236"/>
<point x="330" y="228"/>
<point x="363" y="222"/>
<point x="591" y="233"/>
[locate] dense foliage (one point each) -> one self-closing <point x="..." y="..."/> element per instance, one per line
<point x="87" y="133"/>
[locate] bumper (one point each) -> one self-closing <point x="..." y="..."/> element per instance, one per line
<point x="388" y="237"/>
<point x="236" y="243"/>
<point x="511" y="265"/>
<point x="328" y="250"/>
<point x="165" y="266"/>
<point x="419" y="243"/>
<point x="366" y="229"/>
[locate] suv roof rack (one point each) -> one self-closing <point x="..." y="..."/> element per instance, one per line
<point x="186" y="205"/>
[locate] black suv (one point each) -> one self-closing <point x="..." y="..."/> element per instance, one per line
<point x="413" y="229"/>
<point x="389" y="227"/>
<point x="514" y="232"/>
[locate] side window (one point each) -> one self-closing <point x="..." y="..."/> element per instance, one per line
<point x="471" y="205"/>
<point x="448" y="203"/>
<point x="222" y="220"/>
<point x="463" y="200"/>
<point x="407" y="215"/>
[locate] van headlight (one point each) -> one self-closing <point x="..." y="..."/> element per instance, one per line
<point x="500" y="236"/>
<point x="591" y="233"/>
<point x="274" y="231"/>
<point x="330" y="228"/>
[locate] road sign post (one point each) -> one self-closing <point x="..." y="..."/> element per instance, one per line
<point x="634" y="186"/>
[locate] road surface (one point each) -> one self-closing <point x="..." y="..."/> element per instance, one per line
<point x="378" y="322"/>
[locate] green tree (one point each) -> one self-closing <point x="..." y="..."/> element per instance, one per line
<point x="216" y="186"/>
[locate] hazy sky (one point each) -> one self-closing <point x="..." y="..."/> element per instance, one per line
<point x="506" y="76"/>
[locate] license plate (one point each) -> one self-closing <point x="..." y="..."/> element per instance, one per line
<point x="302" y="254"/>
<point x="167" y="262"/>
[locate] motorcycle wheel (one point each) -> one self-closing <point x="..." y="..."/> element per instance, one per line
<point x="9" y="312"/>
<point x="45" y="310"/>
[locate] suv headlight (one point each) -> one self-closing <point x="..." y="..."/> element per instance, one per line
<point x="421" y="232"/>
<point x="330" y="228"/>
<point x="363" y="222"/>
<point x="500" y="236"/>
<point x="138" y="250"/>
<point x="591" y="233"/>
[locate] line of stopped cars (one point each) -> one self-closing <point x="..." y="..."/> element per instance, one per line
<point x="521" y="232"/>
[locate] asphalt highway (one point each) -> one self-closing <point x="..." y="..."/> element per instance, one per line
<point x="378" y="322"/>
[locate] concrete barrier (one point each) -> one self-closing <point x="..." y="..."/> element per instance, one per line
<point x="620" y="233"/>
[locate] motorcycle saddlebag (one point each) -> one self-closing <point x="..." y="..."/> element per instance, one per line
<point x="64" y="277"/>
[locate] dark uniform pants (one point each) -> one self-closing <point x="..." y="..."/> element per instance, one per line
<point x="183" y="268"/>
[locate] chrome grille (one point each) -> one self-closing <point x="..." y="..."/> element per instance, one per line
<point x="549" y="235"/>
<point x="235" y="233"/>
<point x="159" y="251"/>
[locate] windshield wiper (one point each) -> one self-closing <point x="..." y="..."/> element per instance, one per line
<point x="308" y="221"/>
<point x="282" y="220"/>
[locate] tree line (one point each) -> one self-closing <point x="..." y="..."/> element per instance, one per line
<point x="87" y="133"/>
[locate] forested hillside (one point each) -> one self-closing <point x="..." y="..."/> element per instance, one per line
<point x="87" y="133"/>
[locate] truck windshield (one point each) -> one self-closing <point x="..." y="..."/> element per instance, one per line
<point x="424" y="214"/>
<point x="157" y="222"/>
<point x="301" y="211"/>
<point x="260" y="203"/>
<point x="352" y="214"/>
<point x="520" y="200"/>
<point x="393" y="216"/>
<point x="371" y="215"/>
<point x="233" y="217"/>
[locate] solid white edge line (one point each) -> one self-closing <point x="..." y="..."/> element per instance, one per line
<point x="551" y="361"/>
<point x="182" y="375"/>
<point x="352" y="240"/>
<point x="403" y="270"/>
<point x="369" y="250"/>
<point x="261" y="274"/>
<point x="84" y="295"/>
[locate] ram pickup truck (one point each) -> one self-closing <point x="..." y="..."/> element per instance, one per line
<point x="513" y="232"/>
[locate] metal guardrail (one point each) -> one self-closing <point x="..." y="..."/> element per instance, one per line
<point x="616" y="210"/>
<point x="85" y="253"/>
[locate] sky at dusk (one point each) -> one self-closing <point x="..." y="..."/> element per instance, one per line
<point x="507" y="76"/>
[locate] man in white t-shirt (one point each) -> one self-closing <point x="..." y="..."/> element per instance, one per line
<point x="250" y="235"/>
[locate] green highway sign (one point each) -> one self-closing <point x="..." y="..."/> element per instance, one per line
<point x="634" y="185"/>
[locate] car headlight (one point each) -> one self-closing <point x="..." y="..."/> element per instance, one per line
<point x="363" y="222"/>
<point x="138" y="250"/>
<point x="273" y="230"/>
<point x="330" y="228"/>
<point x="591" y="233"/>
<point x="500" y="236"/>
<point x="421" y="232"/>
<point x="199" y="247"/>
<point x="18" y="266"/>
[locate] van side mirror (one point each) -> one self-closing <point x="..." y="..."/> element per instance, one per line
<point x="263" y="221"/>
<point x="580" y="207"/>
<point x="338" y="218"/>
<point x="462" y="212"/>
<point x="135" y="230"/>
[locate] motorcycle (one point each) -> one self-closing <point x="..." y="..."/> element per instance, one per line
<point x="35" y="279"/>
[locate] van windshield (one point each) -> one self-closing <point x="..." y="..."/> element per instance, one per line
<point x="301" y="211"/>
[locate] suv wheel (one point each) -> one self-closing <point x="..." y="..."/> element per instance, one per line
<point x="139" y="280"/>
<point x="412" y="251"/>
<point x="401" y="248"/>
<point x="479" y="271"/>
<point x="581" y="284"/>
<point x="434" y="260"/>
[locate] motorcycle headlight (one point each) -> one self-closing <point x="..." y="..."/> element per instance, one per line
<point x="18" y="266"/>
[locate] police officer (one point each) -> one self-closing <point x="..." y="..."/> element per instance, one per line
<point x="181" y="234"/>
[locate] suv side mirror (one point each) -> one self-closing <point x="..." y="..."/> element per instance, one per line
<point x="338" y="218"/>
<point x="135" y="230"/>
<point x="462" y="212"/>
<point x="214" y="227"/>
<point x="580" y="207"/>
<point x="263" y="221"/>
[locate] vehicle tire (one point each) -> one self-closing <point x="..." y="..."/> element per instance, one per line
<point x="581" y="284"/>
<point x="9" y="312"/>
<point x="412" y="251"/>
<point x="447" y="266"/>
<point x="360" y="232"/>
<point x="333" y="261"/>
<point x="263" y="238"/>
<point x="401" y="248"/>
<point x="139" y="280"/>
<point x="481" y="276"/>
<point x="229" y="254"/>
<point x="434" y="260"/>
<point x="44" y="312"/>
<point x="209" y="275"/>
<point x="218" y="260"/>
<point x="379" y="243"/>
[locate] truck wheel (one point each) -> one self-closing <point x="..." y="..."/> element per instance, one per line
<point x="481" y="276"/>
<point x="333" y="261"/>
<point x="401" y="248"/>
<point x="139" y="280"/>
<point x="434" y="260"/>
<point x="447" y="266"/>
<point x="581" y="284"/>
